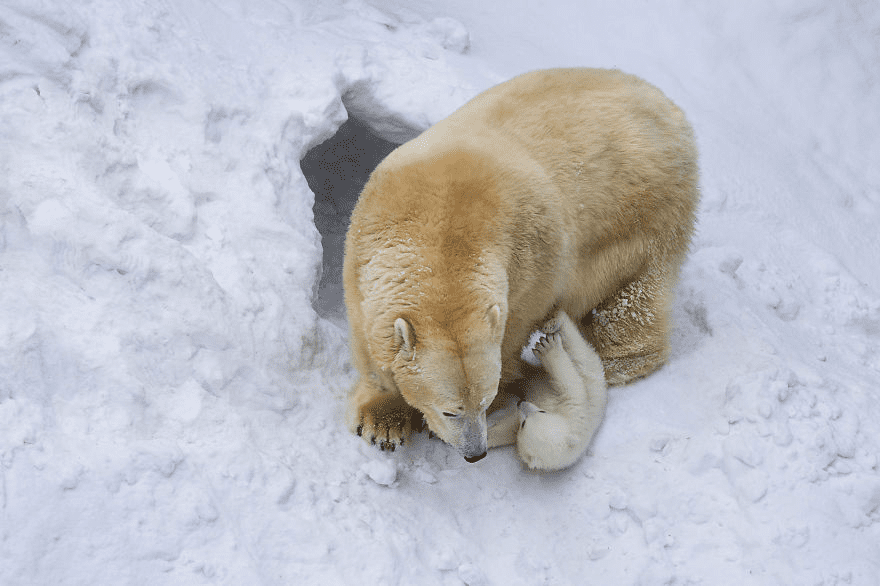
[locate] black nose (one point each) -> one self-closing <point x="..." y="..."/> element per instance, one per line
<point x="473" y="459"/>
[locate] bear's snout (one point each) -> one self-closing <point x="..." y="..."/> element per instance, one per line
<point x="475" y="443"/>
<point x="472" y="459"/>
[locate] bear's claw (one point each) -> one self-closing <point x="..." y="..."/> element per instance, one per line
<point x="548" y="343"/>
<point x="385" y="422"/>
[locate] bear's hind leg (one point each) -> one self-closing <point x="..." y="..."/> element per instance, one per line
<point x="588" y="407"/>
<point x="585" y="359"/>
<point x="565" y="379"/>
<point x="629" y="329"/>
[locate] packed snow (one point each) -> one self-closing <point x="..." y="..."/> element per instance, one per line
<point x="173" y="347"/>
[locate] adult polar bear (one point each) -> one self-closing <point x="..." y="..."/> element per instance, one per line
<point x="569" y="190"/>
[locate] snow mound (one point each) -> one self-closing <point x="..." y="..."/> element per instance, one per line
<point x="160" y="264"/>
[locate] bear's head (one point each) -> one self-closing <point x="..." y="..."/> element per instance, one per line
<point x="450" y="372"/>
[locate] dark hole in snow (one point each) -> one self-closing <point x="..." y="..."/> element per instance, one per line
<point x="336" y="171"/>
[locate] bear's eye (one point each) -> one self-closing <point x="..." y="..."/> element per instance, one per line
<point x="448" y="414"/>
<point x="522" y="425"/>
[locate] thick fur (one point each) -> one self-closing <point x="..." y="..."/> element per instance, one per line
<point x="564" y="189"/>
<point x="559" y="417"/>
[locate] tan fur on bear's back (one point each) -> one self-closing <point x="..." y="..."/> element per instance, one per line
<point x="620" y="132"/>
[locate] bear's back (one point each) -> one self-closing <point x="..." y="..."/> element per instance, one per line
<point x="594" y="137"/>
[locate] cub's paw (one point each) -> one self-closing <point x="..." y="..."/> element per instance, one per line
<point x="572" y="340"/>
<point x="554" y="324"/>
<point x="561" y="322"/>
<point x="548" y="345"/>
<point x="386" y="422"/>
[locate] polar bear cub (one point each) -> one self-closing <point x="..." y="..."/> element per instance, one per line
<point x="559" y="417"/>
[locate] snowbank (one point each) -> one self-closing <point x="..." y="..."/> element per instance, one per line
<point x="170" y="399"/>
<point x="159" y="269"/>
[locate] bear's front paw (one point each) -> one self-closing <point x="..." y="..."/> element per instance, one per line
<point x="548" y="345"/>
<point x="386" y="421"/>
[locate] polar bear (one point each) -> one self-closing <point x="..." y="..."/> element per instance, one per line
<point x="562" y="189"/>
<point x="558" y="418"/>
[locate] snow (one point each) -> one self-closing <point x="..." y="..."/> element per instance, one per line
<point x="173" y="364"/>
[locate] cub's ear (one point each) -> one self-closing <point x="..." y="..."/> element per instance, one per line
<point x="404" y="337"/>
<point x="494" y="317"/>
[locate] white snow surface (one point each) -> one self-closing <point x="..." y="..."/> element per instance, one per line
<point x="171" y="404"/>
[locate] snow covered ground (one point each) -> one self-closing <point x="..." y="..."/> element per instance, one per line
<point x="173" y="365"/>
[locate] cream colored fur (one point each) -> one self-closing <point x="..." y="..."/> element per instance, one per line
<point x="565" y="189"/>
<point x="559" y="417"/>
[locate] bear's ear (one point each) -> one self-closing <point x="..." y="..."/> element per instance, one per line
<point x="404" y="337"/>
<point x="494" y="317"/>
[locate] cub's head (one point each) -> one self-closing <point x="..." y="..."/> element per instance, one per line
<point x="546" y="441"/>
<point x="450" y="371"/>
